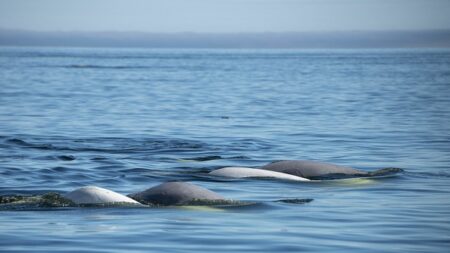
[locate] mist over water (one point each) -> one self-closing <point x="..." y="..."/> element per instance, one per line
<point x="129" y="119"/>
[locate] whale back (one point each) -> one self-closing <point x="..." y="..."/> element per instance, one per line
<point x="174" y="193"/>
<point x="243" y="172"/>
<point x="97" y="195"/>
<point x="313" y="170"/>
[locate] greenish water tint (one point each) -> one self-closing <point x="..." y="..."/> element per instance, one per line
<point x="130" y="119"/>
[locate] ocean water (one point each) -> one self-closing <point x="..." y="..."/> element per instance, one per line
<point x="129" y="119"/>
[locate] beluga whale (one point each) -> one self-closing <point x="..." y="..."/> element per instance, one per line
<point x="93" y="195"/>
<point x="319" y="170"/>
<point x="178" y="193"/>
<point x="301" y="170"/>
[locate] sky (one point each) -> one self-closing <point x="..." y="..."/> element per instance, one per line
<point x="224" y="16"/>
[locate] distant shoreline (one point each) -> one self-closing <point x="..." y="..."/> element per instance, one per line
<point x="285" y="40"/>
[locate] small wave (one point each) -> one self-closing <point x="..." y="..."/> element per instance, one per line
<point x="295" y="201"/>
<point x="203" y="158"/>
<point x="108" y="145"/>
<point x="60" y="169"/>
<point x="89" y="66"/>
<point x="23" y="143"/>
<point x="135" y="170"/>
<point x="17" y="142"/>
<point x="212" y="157"/>
<point x="240" y="157"/>
<point x="99" y="158"/>
<point x="66" y="157"/>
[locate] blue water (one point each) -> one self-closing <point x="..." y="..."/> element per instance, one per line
<point x="129" y="119"/>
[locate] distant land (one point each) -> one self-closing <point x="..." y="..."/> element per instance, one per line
<point x="356" y="39"/>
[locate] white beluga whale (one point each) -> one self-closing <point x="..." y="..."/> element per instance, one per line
<point x="97" y="195"/>
<point x="320" y="170"/>
<point x="177" y="193"/>
<point x="244" y="172"/>
<point x="301" y="170"/>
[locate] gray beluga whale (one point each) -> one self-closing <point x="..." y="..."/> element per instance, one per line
<point x="244" y="172"/>
<point x="176" y="193"/>
<point x="320" y="170"/>
<point x="97" y="195"/>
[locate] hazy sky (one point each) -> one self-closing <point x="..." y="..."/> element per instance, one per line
<point x="224" y="15"/>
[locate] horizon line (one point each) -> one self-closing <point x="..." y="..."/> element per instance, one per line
<point x="316" y="39"/>
<point x="3" y="29"/>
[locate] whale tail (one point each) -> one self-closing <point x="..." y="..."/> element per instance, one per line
<point x="385" y="172"/>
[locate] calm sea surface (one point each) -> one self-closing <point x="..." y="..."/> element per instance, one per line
<point x="129" y="119"/>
